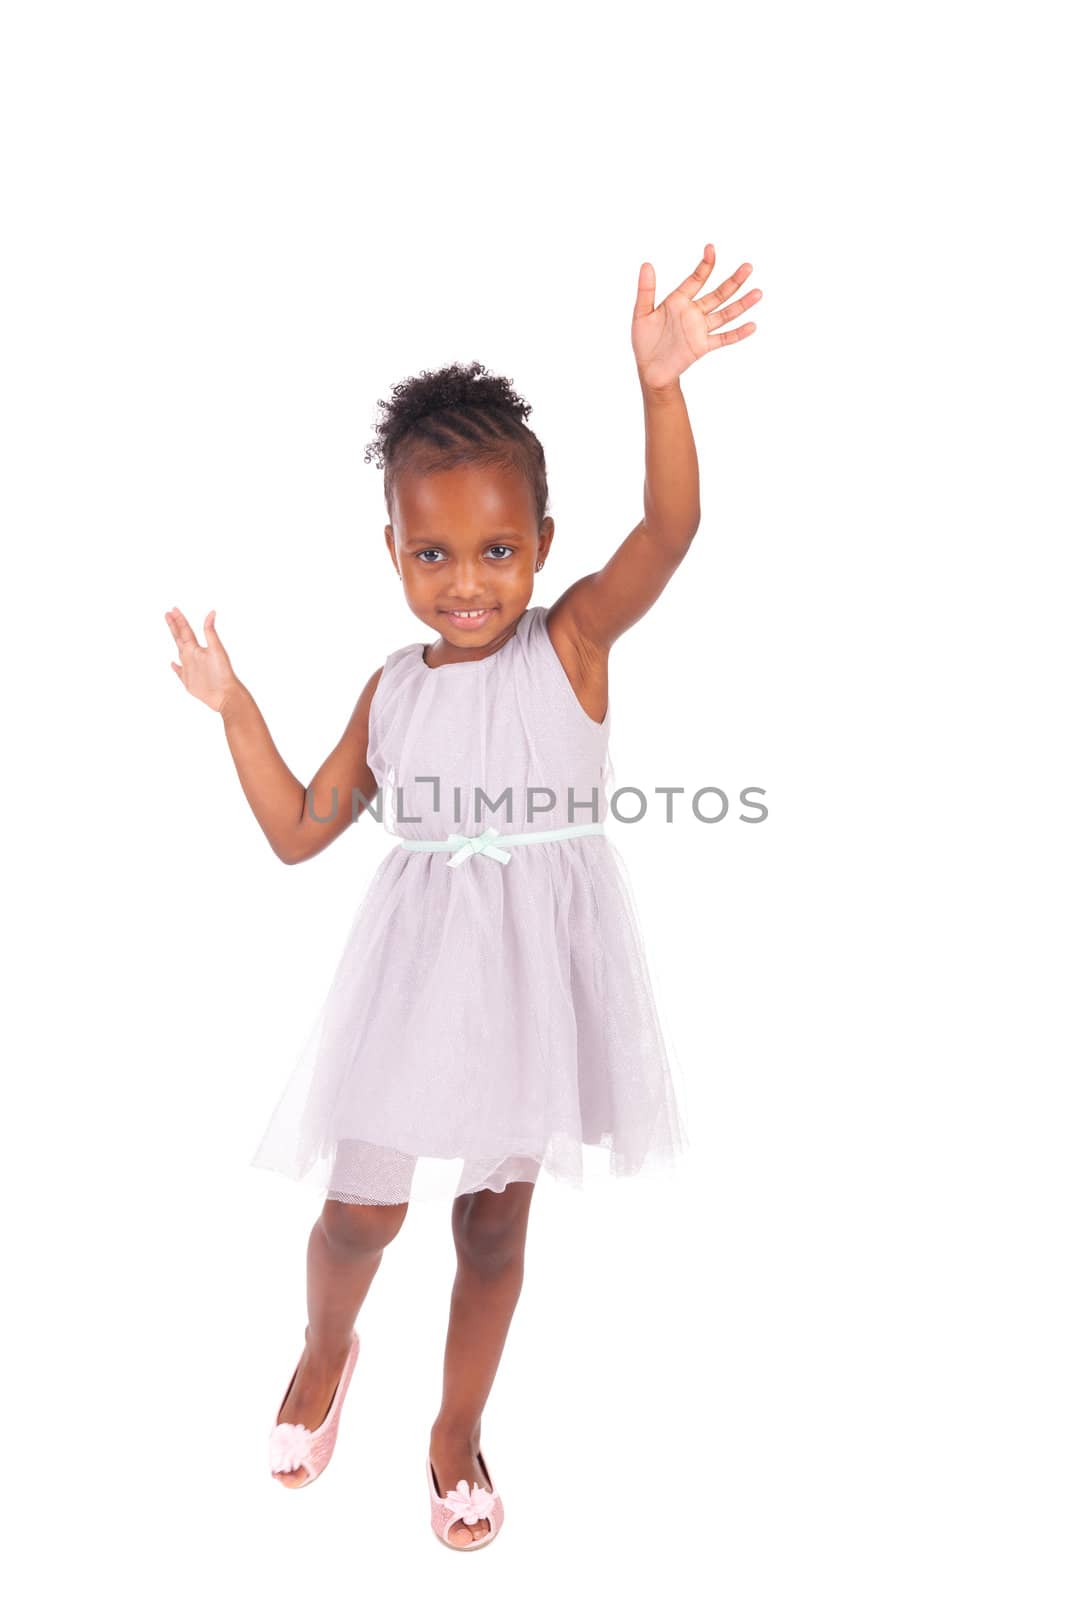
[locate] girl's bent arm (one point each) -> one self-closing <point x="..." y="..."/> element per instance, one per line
<point x="299" y="822"/>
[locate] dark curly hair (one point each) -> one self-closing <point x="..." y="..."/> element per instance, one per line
<point x="457" y="416"/>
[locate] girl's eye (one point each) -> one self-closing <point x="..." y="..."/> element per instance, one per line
<point x="507" y="548"/>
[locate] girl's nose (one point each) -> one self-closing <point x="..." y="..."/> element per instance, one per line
<point x="467" y="586"/>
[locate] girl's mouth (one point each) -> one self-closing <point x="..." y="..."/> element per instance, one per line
<point x="469" y="619"/>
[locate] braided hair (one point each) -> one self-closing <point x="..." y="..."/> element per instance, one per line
<point x="457" y="416"/>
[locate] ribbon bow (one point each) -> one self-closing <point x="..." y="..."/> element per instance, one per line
<point x="472" y="1504"/>
<point x="480" y="845"/>
<point x="290" y="1447"/>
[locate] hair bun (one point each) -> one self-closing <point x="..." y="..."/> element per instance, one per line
<point x="453" y="387"/>
<point x="483" y="419"/>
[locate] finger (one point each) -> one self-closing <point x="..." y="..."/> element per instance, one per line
<point x="728" y="287"/>
<point x="174" y="624"/>
<point x="177" y="669"/>
<point x="185" y="635"/>
<point x="646" y="291"/>
<point x="211" y="635"/>
<point x="728" y="313"/>
<point x="732" y="336"/>
<point x="699" y="275"/>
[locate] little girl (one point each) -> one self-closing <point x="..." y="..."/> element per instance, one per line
<point x="492" y="1003"/>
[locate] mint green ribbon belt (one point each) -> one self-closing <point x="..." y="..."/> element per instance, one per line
<point x="466" y="846"/>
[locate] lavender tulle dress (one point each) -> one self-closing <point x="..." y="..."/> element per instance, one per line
<point x="488" y="1018"/>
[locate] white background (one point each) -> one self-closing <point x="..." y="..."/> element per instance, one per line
<point x="828" y="1360"/>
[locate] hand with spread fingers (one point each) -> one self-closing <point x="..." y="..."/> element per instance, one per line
<point x="205" y="670"/>
<point x="669" y="337"/>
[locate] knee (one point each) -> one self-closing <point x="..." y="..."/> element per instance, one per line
<point x="490" y="1229"/>
<point x="360" y="1229"/>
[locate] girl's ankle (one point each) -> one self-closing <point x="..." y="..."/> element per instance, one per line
<point x="326" y="1355"/>
<point x="455" y="1433"/>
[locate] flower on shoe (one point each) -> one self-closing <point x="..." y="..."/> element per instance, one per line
<point x="290" y="1447"/>
<point x="473" y="1504"/>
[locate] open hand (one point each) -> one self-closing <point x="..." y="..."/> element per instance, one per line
<point x="669" y="337"/>
<point x="205" y="671"/>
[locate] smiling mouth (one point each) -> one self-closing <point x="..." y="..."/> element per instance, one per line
<point x="470" y="616"/>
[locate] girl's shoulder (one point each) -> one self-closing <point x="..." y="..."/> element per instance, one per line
<point x="402" y="653"/>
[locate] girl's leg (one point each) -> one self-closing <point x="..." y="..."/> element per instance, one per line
<point x="344" y="1252"/>
<point x="490" y="1236"/>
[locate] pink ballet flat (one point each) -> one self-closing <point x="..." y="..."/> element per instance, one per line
<point x="293" y="1446"/>
<point x="464" y="1504"/>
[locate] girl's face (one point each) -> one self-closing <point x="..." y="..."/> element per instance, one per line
<point x="466" y="540"/>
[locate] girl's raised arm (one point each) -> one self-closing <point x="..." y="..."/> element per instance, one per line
<point x="667" y="339"/>
<point x="287" y="812"/>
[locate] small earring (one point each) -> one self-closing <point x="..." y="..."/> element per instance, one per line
<point x="540" y="564"/>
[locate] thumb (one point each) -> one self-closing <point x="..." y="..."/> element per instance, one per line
<point x="209" y="622"/>
<point x="646" y="291"/>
